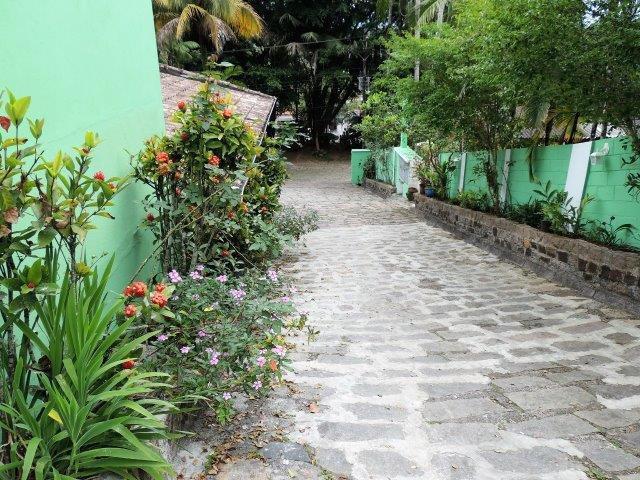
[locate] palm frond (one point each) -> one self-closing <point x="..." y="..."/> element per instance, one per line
<point x="190" y="14"/>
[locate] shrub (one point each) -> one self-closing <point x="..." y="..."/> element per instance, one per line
<point x="291" y="222"/>
<point x="529" y="213"/>
<point x="226" y="335"/>
<point x="215" y="189"/>
<point x="473" y="200"/>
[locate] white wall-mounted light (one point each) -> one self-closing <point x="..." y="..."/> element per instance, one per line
<point x="598" y="154"/>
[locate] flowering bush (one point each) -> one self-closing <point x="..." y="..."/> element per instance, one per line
<point x="225" y="334"/>
<point x="215" y="189"/>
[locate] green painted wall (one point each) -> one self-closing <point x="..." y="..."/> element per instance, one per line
<point x="90" y="65"/>
<point x="605" y="181"/>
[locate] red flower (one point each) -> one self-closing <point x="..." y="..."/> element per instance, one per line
<point x="225" y="253"/>
<point x="231" y="215"/>
<point x="136" y="289"/>
<point x="214" y="160"/>
<point x="128" y="364"/>
<point x="160" y="287"/>
<point x="162" y="157"/>
<point x="31" y="285"/>
<point x="159" y="299"/>
<point x="226" y="113"/>
<point x="130" y="311"/>
<point x="150" y="217"/>
<point x="99" y="176"/>
<point x="184" y="136"/>
<point x="182" y="106"/>
<point x="5" y="122"/>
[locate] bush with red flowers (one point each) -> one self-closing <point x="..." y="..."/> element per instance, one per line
<point x="215" y="189"/>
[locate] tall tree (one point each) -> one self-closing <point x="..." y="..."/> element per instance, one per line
<point x="312" y="55"/>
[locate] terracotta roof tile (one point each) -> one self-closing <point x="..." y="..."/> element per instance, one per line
<point x="179" y="84"/>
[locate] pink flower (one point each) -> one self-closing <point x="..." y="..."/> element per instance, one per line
<point x="261" y="361"/>
<point x="237" y="294"/>
<point x="226" y="396"/>
<point x="185" y="349"/>
<point x="202" y="334"/>
<point x="200" y="268"/>
<point x="273" y="275"/>
<point x="162" y="337"/>
<point x="257" y="385"/>
<point x="174" y="276"/>
<point x="285" y="299"/>
<point x="222" y="278"/>
<point x="279" y="350"/>
<point x="196" y="275"/>
<point x="213" y="359"/>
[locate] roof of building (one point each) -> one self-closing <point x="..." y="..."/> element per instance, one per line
<point x="177" y="84"/>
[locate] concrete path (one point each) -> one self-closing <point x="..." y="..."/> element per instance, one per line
<point x="436" y="360"/>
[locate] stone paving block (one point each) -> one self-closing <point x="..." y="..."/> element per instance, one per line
<point x="578" y="346"/>
<point x="369" y="411"/>
<point x="454" y="409"/>
<point x="334" y="460"/>
<point x="552" y="398"/>
<point x="358" y="432"/>
<point x="522" y="382"/>
<point x="610" y="418"/>
<point x="382" y="463"/>
<point x="560" y="426"/>
<point x="462" y="433"/>
<point x="438" y="390"/>
<point x="453" y="466"/>
<point x="536" y="460"/>
<point x="631" y="438"/>
<point x="606" y="455"/>
<point x="572" y="376"/>
<point x="617" y="392"/>
<point x="242" y="470"/>
<point x="285" y="451"/>
<point x="376" y="389"/>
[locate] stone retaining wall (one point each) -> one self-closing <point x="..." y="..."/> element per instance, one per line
<point x="596" y="271"/>
<point x="379" y="188"/>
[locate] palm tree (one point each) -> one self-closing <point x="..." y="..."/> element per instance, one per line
<point x="211" y="22"/>
<point x="416" y="12"/>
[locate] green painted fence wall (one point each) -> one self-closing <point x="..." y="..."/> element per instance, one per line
<point x="605" y="181"/>
<point x="90" y="65"/>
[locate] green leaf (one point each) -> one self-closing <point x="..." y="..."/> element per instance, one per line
<point x="35" y="272"/>
<point x="46" y="236"/>
<point x="29" y="456"/>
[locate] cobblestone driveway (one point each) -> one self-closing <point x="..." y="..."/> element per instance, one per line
<point x="437" y="361"/>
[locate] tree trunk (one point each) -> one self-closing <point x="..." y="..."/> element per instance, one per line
<point x="416" y="68"/>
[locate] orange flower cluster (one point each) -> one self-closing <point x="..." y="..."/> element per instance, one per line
<point x="136" y="289"/>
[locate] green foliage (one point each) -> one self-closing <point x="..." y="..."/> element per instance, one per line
<point x="72" y="404"/>
<point x="215" y="189"/>
<point x="81" y="410"/>
<point x="559" y="215"/>
<point x="225" y="336"/>
<point x="296" y="224"/>
<point x="312" y="57"/>
<point x="612" y="236"/>
<point x="473" y="200"/>
<point x="529" y="213"/>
